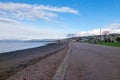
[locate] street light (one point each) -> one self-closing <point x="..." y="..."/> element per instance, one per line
<point x="100" y="35"/>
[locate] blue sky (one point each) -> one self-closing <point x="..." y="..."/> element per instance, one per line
<point x="62" y="17"/>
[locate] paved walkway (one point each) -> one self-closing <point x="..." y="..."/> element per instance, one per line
<point x="93" y="62"/>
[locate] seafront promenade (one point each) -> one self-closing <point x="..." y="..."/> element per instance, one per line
<point x="78" y="61"/>
<point x="93" y="62"/>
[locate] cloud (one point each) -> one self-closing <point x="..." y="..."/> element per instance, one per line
<point x="111" y="28"/>
<point x="22" y="32"/>
<point x="114" y="26"/>
<point x="23" y="11"/>
<point x="6" y="20"/>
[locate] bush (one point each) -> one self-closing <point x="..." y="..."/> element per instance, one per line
<point x="118" y="39"/>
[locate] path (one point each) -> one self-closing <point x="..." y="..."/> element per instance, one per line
<point x="93" y="62"/>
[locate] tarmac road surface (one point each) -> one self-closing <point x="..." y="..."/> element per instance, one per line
<point x="93" y="62"/>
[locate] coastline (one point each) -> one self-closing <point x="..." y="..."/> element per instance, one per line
<point x="12" y="62"/>
<point x="10" y="46"/>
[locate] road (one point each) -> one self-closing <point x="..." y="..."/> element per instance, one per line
<point x="93" y="62"/>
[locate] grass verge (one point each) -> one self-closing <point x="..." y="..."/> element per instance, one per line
<point x="110" y="44"/>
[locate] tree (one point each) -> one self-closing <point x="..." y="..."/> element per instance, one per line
<point x="105" y="33"/>
<point x="118" y="39"/>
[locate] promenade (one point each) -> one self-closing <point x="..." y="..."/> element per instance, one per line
<point x="93" y="62"/>
<point x="79" y="61"/>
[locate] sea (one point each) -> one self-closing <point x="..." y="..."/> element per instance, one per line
<point x="8" y="46"/>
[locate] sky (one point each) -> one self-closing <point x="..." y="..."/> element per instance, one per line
<point x="57" y="19"/>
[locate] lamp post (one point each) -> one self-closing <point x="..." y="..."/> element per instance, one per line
<point x="100" y="35"/>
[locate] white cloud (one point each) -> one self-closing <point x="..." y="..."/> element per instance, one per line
<point x="12" y="13"/>
<point x="21" y="32"/>
<point x="112" y="28"/>
<point x="6" y="20"/>
<point x="23" y="11"/>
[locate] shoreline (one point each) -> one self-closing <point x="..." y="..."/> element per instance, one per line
<point x="12" y="62"/>
<point x="21" y="45"/>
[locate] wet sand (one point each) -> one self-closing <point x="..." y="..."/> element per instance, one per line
<point x="12" y="62"/>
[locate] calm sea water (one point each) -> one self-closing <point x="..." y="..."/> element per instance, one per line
<point x="7" y="46"/>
